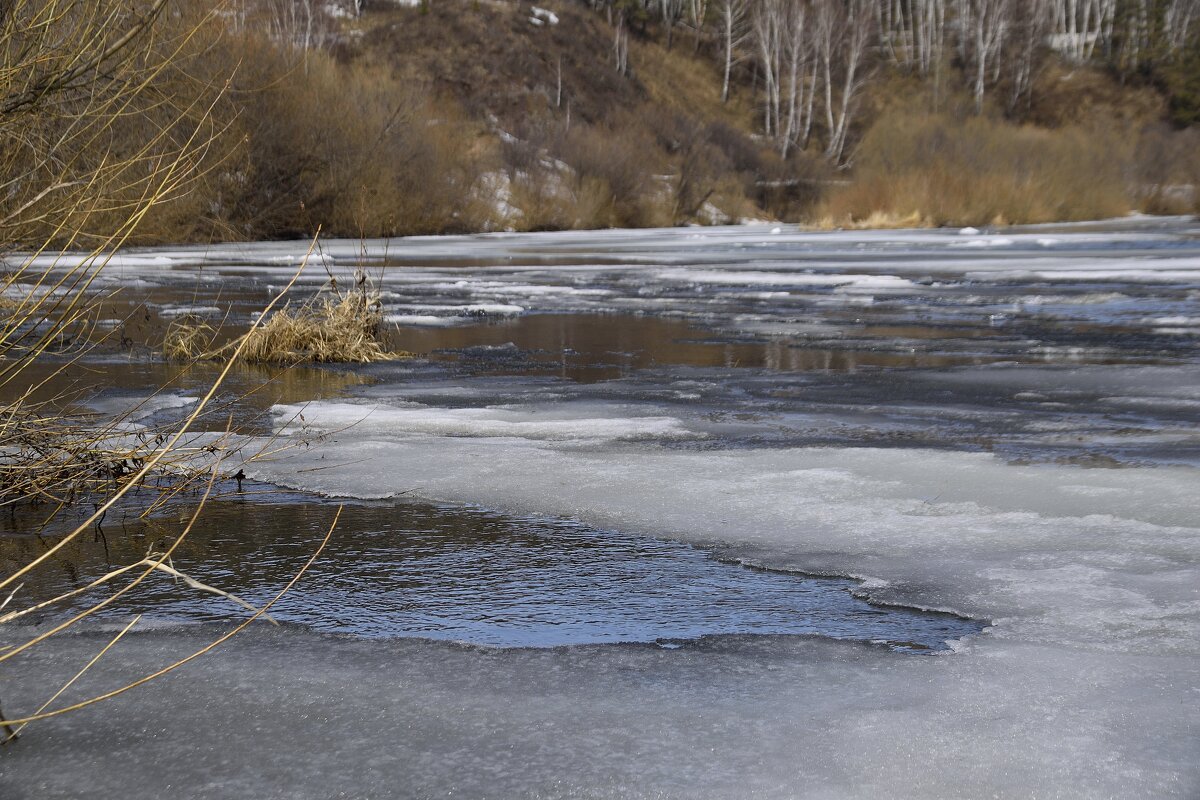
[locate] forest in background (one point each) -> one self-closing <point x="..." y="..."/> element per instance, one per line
<point x="381" y="118"/>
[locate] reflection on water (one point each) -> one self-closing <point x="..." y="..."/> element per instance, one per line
<point x="246" y="393"/>
<point x="591" y="347"/>
<point x="464" y="575"/>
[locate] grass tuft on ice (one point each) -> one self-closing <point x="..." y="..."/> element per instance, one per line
<point x="334" y="327"/>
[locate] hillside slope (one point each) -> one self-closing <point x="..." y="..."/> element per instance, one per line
<point x="467" y="115"/>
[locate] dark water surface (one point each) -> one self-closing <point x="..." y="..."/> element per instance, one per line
<point x="468" y="575"/>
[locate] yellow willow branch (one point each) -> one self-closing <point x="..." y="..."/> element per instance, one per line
<point x="14" y="733"/>
<point x="202" y="651"/>
<point x="172" y="442"/>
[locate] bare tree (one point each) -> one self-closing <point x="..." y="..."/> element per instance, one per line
<point x="697" y="11"/>
<point x="1148" y="31"/>
<point x="621" y="44"/>
<point x="1029" y="30"/>
<point x="844" y="31"/>
<point x="734" y="35"/>
<point x="671" y="12"/>
<point x="912" y="33"/>
<point x="797" y="44"/>
<point x="983" y="28"/>
<point x="1179" y="20"/>
<point x="768" y="25"/>
<point x="1076" y="26"/>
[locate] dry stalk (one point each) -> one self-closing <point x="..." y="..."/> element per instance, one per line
<point x="154" y="562"/>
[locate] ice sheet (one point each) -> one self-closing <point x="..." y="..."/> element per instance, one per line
<point x="289" y="714"/>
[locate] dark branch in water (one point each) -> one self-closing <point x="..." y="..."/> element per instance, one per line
<point x="10" y="734"/>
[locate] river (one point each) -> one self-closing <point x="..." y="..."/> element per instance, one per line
<point x="701" y="512"/>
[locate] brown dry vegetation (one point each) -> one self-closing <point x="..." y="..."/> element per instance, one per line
<point x="490" y="121"/>
<point x="942" y="170"/>
<point x="400" y="127"/>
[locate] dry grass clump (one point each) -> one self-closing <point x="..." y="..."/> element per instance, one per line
<point x="188" y="338"/>
<point x="46" y="458"/>
<point x="334" y="327"/>
<point x="345" y="329"/>
<point x="978" y="171"/>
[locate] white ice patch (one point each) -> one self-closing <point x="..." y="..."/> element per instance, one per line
<point x="991" y="241"/>
<point x="423" y="320"/>
<point x="73" y="261"/>
<point x="585" y="425"/>
<point x="794" y="279"/>
<point x="195" y="311"/>
<point x="1060" y="553"/>
<point x="21" y="292"/>
<point x="1173" y="322"/>
<point x="313" y="259"/>
<point x="134" y="409"/>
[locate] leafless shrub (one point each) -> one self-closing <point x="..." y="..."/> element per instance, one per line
<point x="616" y="174"/>
<point x="947" y="171"/>
<point x="349" y="146"/>
<point x="1167" y="170"/>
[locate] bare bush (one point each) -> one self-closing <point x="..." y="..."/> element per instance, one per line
<point x="946" y="171"/>
<point x="349" y="147"/>
<point x="1167" y="170"/>
<point x="615" y="176"/>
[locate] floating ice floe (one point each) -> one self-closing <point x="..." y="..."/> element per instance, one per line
<point x="194" y="311"/>
<point x="135" y="409"/>
<point x="530" y="424"/>
<point x="422" y="320"/>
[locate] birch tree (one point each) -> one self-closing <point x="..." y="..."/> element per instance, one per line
<point x="797" y="88"/>
<point x="1179" y="21"/>
<point x="912" y="33"/>
<point x="843" y="31"/>
<point x="697" y="11"/>
<point x="983" y="27"/>
<point x="671" y="12"/>
<point x="1029" y="30"/>
<point x="734" y="35"/>
<point x="621" y="44"/>
<point x="767" y="24"/>
<point x="1076" y="26"/>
